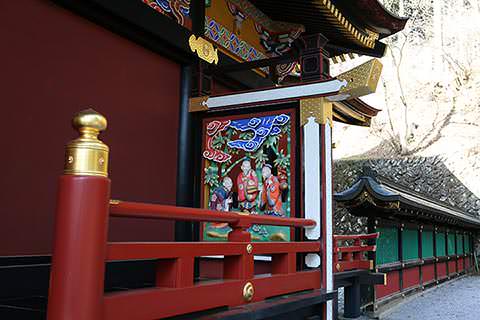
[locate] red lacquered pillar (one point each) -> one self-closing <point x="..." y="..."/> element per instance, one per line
<point x="81" y="222"/>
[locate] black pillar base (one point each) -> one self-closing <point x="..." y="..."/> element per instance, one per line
<point x="352" y="300"/>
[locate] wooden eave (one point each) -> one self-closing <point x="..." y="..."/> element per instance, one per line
<point x="376" y="197"/>
<point x="354" y="111"/>
<point x="373" y="15"/>
<point x="345" y="31"/>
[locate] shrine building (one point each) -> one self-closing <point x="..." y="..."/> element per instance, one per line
<point x="196" y="182"/>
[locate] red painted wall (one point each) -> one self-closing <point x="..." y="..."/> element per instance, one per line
<point x="460" y="265"/>
<point x="411" y="277"/>
<point x="441" y="270"/>
<point x="452" y="267"/>
<point x="393" y="285"/>
<point x="428" y="273"/>
<point x="53" y="64"/>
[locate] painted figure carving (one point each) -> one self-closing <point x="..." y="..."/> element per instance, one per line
<point x="247" y="184"/>
<point x="235" y="150"/>
<point x="271" y="193"/>
<point x="221" y="199"/>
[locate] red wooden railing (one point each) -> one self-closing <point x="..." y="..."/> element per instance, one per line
<point x="81" y="250"/>
<point x="349" y="257"/>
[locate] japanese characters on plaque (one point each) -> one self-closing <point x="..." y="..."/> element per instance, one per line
<point x="247" y="168"/>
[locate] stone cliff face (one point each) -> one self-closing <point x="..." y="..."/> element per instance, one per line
<point x="425" y="175"/>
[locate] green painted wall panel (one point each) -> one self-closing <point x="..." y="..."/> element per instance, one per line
<point x="460" y="243"/>
<point x="387" y="245"/>
<point x="427" y="244"/>
<point x="451" y="244"/>
<point x="466" y="242"/>
<point x="409" y="244"/>
<point x="440" y="242"/>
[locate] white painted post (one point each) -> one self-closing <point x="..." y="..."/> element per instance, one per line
<point x="316" y="119"/>
<point x="327" y="159"/>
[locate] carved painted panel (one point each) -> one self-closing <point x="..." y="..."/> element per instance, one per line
<point x="248" y="168"/>
<point x="178" y="10"/>
<point x="245" y="33"/>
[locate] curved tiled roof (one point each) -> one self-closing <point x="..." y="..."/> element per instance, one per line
<point x="427" y="176"/>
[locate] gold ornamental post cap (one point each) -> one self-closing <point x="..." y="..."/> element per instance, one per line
<point x="87" y="155"/>
<point x="89" y="118"/>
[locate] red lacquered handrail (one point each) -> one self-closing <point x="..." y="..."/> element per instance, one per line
<point x="350" y="257"/>
<point x="169" y="250"/>
<point x="356" y="236"/>
<point x="157" y="211"/>
<point x="81" y="250"/>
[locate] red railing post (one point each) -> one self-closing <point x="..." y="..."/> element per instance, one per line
<point x="354" y="257"/>
<point x="336" y="266"/>
<point x="239" y="233"/>
<point x="358" y="255"/>
<point x="77" y="275"/>
<point x="239" y="267"/>
<point x="175" y="273"/>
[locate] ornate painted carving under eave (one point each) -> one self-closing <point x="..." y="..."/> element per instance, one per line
<point x="361" y="80"/>
<point x="244" y="33"/>
<point x="273" y="26"/>
<point x="230" y="41"/>
<point x="178" y="10"/>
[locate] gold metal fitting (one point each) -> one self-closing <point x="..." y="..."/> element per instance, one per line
<point x="204" y="49"/>
<point x="86" y="155"/>
<point x="248" y="292"/>
<point x="318" y="108"/>
<point x="361" y="80"/>
<point x="249" y="248"/>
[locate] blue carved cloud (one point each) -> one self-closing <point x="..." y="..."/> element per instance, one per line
<point x="262" y="127"/>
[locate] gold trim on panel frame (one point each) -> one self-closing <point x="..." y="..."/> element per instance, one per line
<point x="318" y="108"/>
<point x="198" y="104"/>
<point x="361" y="80"/>
<point x="87" y="155"/>
<point x="204" y="49"/>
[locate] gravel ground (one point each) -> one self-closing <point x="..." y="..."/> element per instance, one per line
<point x="459" y="299"/>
